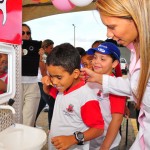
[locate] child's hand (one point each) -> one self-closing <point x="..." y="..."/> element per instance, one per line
<point x="127" y="112"/>
<point x="63" y="142"/>
<point x="46" y="80"/>
<point x="41" y="51"/>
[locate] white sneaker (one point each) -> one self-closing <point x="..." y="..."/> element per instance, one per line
<point x="46" y="108"/>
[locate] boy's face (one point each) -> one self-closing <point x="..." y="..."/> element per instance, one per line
<point x="3" y="63"/>
<point x="86" y="61"/>
<point x="61" y="79"/>
<point x="103" y="63"/>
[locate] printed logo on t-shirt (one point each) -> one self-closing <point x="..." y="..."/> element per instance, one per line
<point x="70" y="108"/>
<point x="69" y="111"/>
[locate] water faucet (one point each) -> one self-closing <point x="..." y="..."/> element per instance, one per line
<point x="8" y="107"/>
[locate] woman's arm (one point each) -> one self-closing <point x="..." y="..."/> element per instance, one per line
<point x="118" y="86"/>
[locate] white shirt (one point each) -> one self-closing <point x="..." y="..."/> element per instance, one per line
<point x="126" y="87"/>
<point x="75" y="111"/>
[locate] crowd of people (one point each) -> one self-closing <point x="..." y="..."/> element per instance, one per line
<point x="85" y="90"/>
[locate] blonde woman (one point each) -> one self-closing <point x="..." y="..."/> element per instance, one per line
<point x="127" y="22"/>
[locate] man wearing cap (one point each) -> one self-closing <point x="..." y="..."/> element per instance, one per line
<point x="106" y="58"/>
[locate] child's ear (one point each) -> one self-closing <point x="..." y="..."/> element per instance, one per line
<point x="76" y="73"/>
<point x="115" y="63"/>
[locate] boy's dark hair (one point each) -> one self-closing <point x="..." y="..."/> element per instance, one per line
<point x="81" y="51"/>
<point x="47" y="42"/>
<point x="113" y="57"/>
<point x="97" y="42"/>
<point x="66" y="56"/>
<point x="112" y="41"/>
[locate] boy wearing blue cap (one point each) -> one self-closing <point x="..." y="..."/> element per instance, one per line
<point x="106" y="58"/>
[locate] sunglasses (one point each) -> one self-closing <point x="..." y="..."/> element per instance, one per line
<point x="27" y="33"/>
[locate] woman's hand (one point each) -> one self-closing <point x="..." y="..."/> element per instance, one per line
<point x="90" y="76"/>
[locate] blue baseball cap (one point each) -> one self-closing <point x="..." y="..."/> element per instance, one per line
<point x="107" y="48"/>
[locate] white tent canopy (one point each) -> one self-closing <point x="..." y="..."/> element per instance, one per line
<point x="33" y="10"/>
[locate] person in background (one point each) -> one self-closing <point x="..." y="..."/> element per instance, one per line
<point x="127" y="23"/>
<point x="112" y="41"/>
<point x="97" y="43"/>
<point x="85" y="58"/>
<point x="47" y="46"/>
<point x="3" y="73"/>
<point x="81" y="51"/>
<point x="26" y="32"/>
<point x="77" y="116"/>
<point x="30" y="89"/>
<point x="86" y="61"/>
<point x="105" y="59"/>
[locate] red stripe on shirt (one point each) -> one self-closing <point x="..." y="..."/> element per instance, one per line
<point x="6" y="80"/>
<point x="117" y="103"/>
<point x="91" y="114"/>
<point x="3" y="75"/>
<point x="53" y="92"/>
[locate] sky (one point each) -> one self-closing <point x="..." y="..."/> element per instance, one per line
<point x="60" y="29"/>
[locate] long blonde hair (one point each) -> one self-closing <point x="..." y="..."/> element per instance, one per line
<point x="138" y="11"/>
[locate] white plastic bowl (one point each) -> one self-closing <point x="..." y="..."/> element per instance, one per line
<point x="21" y="137"/>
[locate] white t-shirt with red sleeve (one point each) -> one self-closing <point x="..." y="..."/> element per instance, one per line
<point x="75" y="110"/>
<point x="109" y="104"/>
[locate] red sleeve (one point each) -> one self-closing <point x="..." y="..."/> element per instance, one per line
<point x="53" y="92"/>
<point x="117" y="103"/>
<point x="91" y="114"/>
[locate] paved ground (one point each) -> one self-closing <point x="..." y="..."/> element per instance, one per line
<point x="42" y="121"/>
<point x="132" y="131"/>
